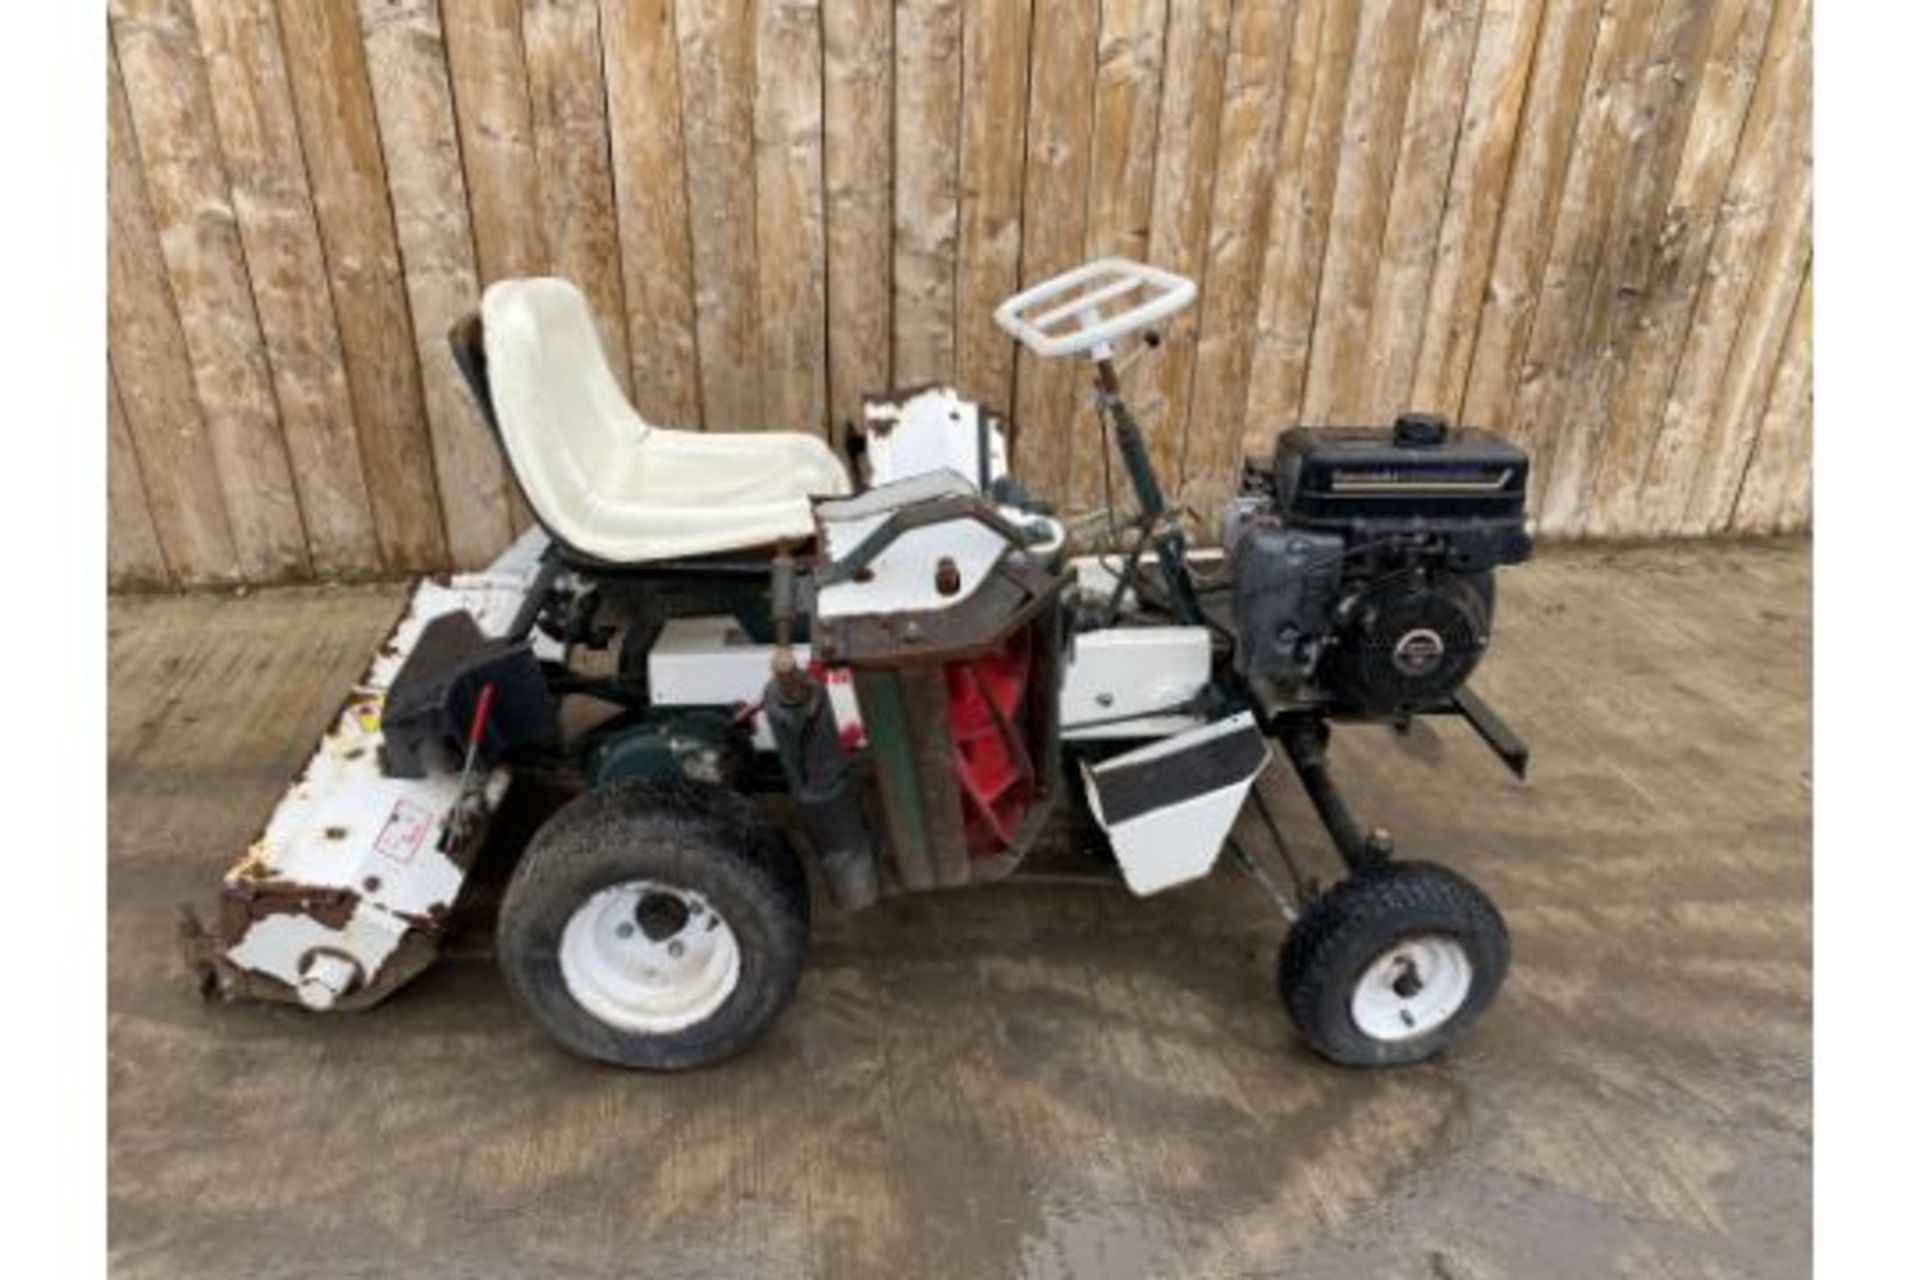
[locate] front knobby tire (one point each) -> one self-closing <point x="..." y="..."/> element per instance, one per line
<point x="1393" y="965"/>
<point x="655" y="926"/>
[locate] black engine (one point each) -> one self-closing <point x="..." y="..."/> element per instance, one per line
<point x="1363" y="561"/>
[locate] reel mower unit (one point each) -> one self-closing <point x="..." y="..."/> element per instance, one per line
<point x="914" y="654"/>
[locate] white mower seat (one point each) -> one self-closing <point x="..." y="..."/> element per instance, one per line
<point x="611" y="485"/>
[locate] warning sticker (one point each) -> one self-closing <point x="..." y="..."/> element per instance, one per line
<point x="405" y="831"/>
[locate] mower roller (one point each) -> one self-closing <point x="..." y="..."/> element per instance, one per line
<point x="903" y="641"/>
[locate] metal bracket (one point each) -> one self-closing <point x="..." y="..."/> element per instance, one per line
<point x="1495" y="732"/>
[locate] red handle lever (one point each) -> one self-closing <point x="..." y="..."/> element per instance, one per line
<point x="482" y="708"/>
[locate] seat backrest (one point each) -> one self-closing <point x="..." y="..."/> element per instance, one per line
<point x="567" y="429"/>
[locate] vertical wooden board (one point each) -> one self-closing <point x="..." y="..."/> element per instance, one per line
<point x="926" y="187"/>
<point x="567" y="99"/>
<point x="143" y="333"/>
<point x="1578" y="388"/>
<point x="993" y="126"/>
<point x="858" y="91"/>
<point x="1547" y="126"/>
<point x="1250" y="122"/>
<point x="1126" y="125"/>
<point x="1463" y="252"/>
<point x="406" y="56"/>
<point x="1741" y="398"/>
<point x="649" y="166"/>
<point x="487" y="64"/>
<point x="1645" y="69"/>
<point x="1632" y="406"/>
<point x="171" y="108"/>
<point x="1369" y="149"/>
<point x="1595" y="169"/>
<point x="788" y="129"/>
<point x="1596" y="154"/>
<point x="1429" y="137"/>
<point x="1323" y="59"/>
<point x="134" y="557"/>
<point x="716" y="111"/>
<point x="1053" y="221"/>
<point x="1795" y="514"/>
<point x="1186" y="159"/>
<point x="1757" y="213"/>
<point x="1782" y="448"/>
<point x="1178" y="177"/>
<point x="333" y="106"/>
<point x="253" y="110"/>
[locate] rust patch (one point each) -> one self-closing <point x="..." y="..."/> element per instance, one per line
<point x="248" y="901"/>
<point x="432" y="922"/>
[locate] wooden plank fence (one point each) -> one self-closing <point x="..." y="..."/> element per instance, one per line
<point x="1586" y="223"/>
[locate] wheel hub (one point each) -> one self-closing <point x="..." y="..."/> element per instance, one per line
<point x="661" y="915"/>
<point x="650" y="957"/>
<point x="1412" y="988"/>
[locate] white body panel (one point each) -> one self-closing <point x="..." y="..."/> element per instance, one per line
<point x="1179" y="841"/>
<point x="931" y="430"/>
<point x="902" y="578"/>
<point x="711" y="662"/>
<point x="1129" y="672"/>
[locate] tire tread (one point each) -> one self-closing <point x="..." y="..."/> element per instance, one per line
<point x="1359" y="913"/>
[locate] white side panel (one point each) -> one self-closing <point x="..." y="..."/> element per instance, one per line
<point x="711" y="662"/>
<point x="1178" y="841"/>
<point x="1130" y="671"/>
<point x="931" y="430"/>
<point x="904" y="576"/>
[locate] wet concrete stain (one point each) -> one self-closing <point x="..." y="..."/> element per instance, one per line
<point x="1039" y="1079"/>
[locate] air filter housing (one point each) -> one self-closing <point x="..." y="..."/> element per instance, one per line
<point x="1419" y="475"/>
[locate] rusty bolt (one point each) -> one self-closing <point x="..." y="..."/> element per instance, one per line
<point x="946" y="577"/>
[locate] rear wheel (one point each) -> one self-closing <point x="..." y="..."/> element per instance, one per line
<point x="1393" y="965"/>
<point x="655" y="926"/>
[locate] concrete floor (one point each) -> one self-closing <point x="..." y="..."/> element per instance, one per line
<point x="1041" y="1080"/>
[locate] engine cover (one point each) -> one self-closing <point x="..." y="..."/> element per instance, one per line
<point x="1284" y="582"/>
<point x="1463" y="487"/>
<point x="1406" y="642"/>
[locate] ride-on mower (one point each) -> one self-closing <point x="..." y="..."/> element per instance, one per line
<point x="902" y="642"/>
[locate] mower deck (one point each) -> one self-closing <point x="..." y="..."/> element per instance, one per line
<point x="343" y="894"/>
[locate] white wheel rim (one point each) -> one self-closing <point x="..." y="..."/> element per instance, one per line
<point x="649" y="957"/>
<point x="1412" y="987"/>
